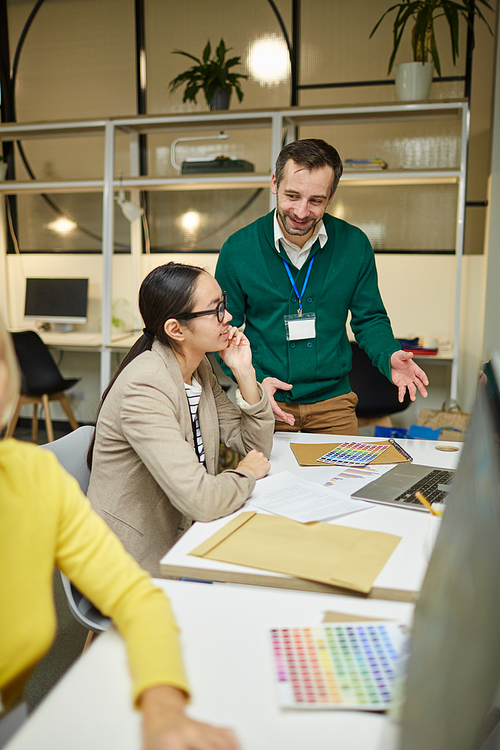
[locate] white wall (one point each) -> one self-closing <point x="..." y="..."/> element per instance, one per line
<point x="491" y="339"/>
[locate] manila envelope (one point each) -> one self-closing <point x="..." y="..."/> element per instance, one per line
<point x="330" y="616"/>
<point x="307" y="454"/>
<point x="335" y="555"/>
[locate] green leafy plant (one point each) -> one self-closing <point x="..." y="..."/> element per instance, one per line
<point x="209" y="74"/>
<point x="424" y="13"/>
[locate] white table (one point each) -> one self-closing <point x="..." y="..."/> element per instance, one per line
<point x="73" y="340"/>
<point x="400" y="579"/>
<point x="84" y="341"/>
<point x="227" y="652"/>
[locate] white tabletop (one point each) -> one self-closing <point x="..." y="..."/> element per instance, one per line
<point x="78" y="340"/>
<point x="227" y="652"/>
<point x="85" y="340"/>
<point x="400" y="578"/>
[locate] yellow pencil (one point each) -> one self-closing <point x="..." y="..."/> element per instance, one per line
<point x="427" y="504"/>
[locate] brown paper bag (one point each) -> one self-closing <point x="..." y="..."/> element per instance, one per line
<point x="449" y="417"/>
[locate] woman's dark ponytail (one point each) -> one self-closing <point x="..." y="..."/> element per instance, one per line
<point x="166" y="292"/>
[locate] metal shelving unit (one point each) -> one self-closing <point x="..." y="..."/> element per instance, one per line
<point x="282" y="125"/>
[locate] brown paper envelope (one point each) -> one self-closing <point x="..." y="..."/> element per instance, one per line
<point x="343" y="617"/>
<point x="335" y="555"/>
<point x="307" y="454"/>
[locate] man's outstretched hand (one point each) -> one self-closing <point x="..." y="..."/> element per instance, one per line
<point x="405" y="373"/>
<point x="271" y="385"/>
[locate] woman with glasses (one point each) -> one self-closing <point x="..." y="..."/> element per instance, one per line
<point x="155" y="451"/>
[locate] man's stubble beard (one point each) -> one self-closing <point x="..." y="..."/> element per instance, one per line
<point x="294" y="230"/>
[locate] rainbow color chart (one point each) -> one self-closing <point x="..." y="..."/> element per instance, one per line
<point x="351" y="474"/>
<point x="337" y="665"/>
<point x="353" y="454"/>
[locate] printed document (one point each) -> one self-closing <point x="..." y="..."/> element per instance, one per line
<point x="284" y="494"/>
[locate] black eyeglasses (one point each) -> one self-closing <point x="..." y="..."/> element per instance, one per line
<point x="220" y="311"/>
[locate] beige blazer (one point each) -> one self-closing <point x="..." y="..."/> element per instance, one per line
<point x="146" y="481"/>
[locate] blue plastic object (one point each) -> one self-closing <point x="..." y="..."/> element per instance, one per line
<point x="423" y="433"/>
<point x="387" y="432"/>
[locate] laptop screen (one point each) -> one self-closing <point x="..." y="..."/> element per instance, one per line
<point x="454" y="662"/>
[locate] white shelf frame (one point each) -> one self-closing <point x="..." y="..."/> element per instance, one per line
<point x="278" y="122"/>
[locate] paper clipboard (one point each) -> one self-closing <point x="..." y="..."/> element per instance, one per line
<point x="307" y="454"/>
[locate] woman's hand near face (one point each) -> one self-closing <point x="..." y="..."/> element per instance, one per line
<point x="238" y="354"/>
<point x="238" y="357"/>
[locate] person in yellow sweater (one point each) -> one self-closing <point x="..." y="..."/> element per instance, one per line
<point x="46" y="521"/>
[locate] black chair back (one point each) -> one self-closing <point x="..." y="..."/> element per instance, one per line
<point x="377" y="396"/>
<point x="40" y="374"/>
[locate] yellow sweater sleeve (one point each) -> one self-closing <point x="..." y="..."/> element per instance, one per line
<point x="93" y="558"/>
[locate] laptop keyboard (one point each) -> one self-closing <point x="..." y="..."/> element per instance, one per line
<point x="428" y="486"/>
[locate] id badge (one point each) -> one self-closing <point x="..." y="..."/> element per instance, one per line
<point x="300" y="326"/>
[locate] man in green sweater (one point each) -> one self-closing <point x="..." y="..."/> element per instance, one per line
<point x="292" y="277"/>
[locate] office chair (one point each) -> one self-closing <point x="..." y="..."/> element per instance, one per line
<point x="71" y="451"/>
<point x="41" y="382"/>
<point x="377" y="396"/>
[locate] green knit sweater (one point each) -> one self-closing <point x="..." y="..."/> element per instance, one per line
<point x="343" y="278"/>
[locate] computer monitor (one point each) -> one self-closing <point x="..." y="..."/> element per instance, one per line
<point x="454" y="660"/>
<point x="59" y="301"/>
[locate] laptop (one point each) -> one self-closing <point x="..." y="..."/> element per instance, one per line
<point x="398" y="486"/>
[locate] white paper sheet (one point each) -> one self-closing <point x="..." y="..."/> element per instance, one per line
<point x="284" y="494"/>
<point x="351" y="479"/>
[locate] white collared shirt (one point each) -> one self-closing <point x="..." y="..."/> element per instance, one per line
<point x="298" y="255"/>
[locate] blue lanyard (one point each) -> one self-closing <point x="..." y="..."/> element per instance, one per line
<point x="294" y="286"/>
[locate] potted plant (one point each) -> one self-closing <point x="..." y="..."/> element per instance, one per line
<point x="423" y="14"/>
<point x="210" y="75"/>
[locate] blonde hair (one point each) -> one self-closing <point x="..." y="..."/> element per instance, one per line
<point x="8" y="360"/>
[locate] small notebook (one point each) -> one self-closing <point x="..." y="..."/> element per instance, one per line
<point x="337" y="666"/>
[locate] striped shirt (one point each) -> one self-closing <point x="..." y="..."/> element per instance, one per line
<point x="193" y="393"/>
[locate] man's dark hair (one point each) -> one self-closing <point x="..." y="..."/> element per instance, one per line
<point x="310" y="153"/>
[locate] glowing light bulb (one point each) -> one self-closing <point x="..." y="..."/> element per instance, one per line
<point x="62" y="225"/>
<point x="268" y="60"/>
<point x="190" y="221"/>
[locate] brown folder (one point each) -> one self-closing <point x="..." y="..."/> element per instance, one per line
<point x="307" y="454"/>
<point x="336" y="555"/>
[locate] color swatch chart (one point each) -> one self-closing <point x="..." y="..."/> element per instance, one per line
<point x="353" y="454"/>
<point x="355" y="476"/>
<point x="338" y="665"/>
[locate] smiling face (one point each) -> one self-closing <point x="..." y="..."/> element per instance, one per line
<point x="302" y="198"/>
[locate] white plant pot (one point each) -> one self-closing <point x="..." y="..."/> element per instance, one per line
<point x="413" y="81"/>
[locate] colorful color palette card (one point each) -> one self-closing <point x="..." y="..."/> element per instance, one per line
<point x="353" y="454"/>
<point x="337" y="665"/>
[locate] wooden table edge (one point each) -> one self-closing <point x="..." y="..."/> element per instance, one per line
<point x="290" y="582"/>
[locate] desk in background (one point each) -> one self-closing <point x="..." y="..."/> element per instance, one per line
<point x="84" y="341"/>
<point x="228" y="657"/>
<point x="400" y="579"/>
<point x="73" y="340"/>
